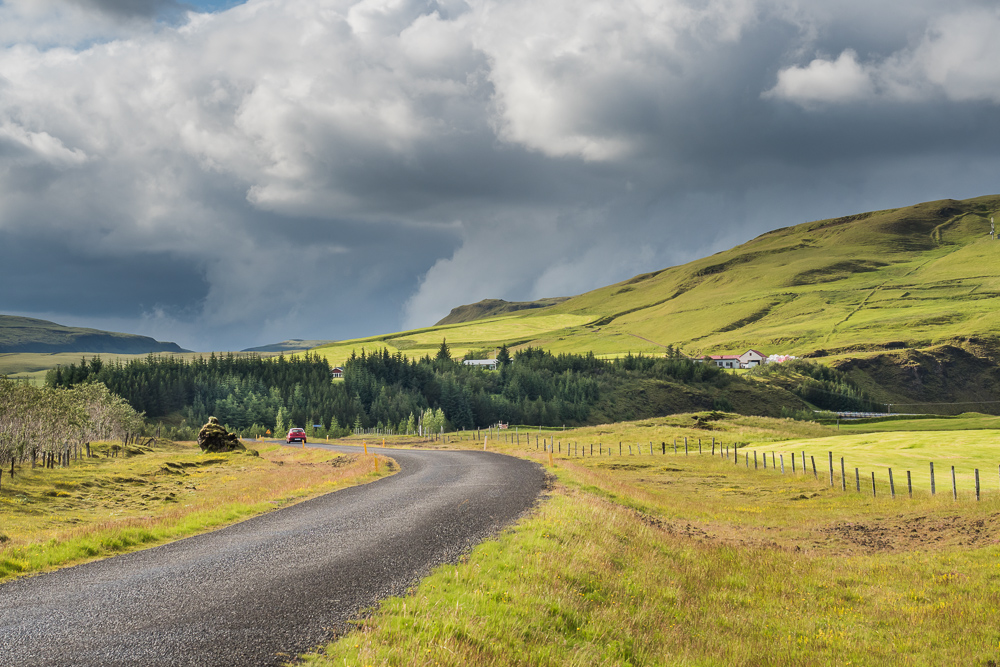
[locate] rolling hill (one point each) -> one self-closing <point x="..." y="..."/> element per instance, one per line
<point x="899" y="296"/>
<point x="28" y="335"/>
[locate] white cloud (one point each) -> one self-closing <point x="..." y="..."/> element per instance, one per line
<point x="840" y="80"/>
<point x="956" y="59"/>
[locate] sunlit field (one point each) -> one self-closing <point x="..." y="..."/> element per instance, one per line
<point x="101" y="506"/>
<point x="678" y="559"/>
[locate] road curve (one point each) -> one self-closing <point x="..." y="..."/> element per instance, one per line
<point x="265" y="589"/>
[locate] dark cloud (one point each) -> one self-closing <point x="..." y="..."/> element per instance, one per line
<point x="45" y="273"/>
<point x="337" y="168"/>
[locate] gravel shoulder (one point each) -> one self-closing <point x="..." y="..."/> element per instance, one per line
<point x="266" y="589"/>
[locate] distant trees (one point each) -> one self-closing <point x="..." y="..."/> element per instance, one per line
<point x="252" y="394"/>
<point x="54" y="422"/>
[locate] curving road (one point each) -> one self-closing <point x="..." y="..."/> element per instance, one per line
<point x="261" y="591"/>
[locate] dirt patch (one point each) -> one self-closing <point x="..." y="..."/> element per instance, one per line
<point x="918" y="532"/>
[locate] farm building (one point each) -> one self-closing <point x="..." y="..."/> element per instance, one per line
<point x="726" y="360"/>
<point x="748" y="359"/>
<point x="337" y="372"/>
<point x="488" y="364"/>
<point x="751" y="358"/>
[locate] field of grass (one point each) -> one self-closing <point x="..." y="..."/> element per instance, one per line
<point x="691" y="560"/>
<point x="101" y="506"/>
<point x="918" y="276"/>
<point x="461" y="338"/>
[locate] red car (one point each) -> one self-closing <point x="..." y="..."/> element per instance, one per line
<point x="296" y="435"/>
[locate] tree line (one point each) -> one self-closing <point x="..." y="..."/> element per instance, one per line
<point x="53" y="423"/>
<point x="396" y="393"/>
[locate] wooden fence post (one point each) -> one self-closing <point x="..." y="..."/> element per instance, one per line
<point x="831" y="468"/>
<point x="782" y="464"/>
<point x="813" y="459"/>
<point x="765" y="460"/>
<point x="932" y="478"/>
<point x="977" y="483"/>
<point x="892" y="486"/>
<point x="755" y="460"/>
<point x="793" y="463"/>
<point x="843" y="475"/>
<point x="909" y="483"/>
<point x="873" y="484"/>
<point x="857" y="479"/>
<point x="954" y="487"/>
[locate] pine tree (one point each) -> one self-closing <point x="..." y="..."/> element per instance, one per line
<point x="280" y="423"/>
<point x="444" y="354"/>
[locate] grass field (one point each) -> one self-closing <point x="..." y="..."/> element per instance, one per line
<point x="101" y="506"/>
<point x="461" y="338"/>
<point x="690" y="560"/>
<point x="914" y="277"/>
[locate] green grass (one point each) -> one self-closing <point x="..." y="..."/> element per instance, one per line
<point x="461" y="338"/>
<point x="964" y="422"/>
<point x="674" y="560"/>
<point x="101" y="506"/>
<point x="904" y="451"/>
<point x="922" y="276"/>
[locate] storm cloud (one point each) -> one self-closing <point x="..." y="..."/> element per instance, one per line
<point x="335" y="168"/>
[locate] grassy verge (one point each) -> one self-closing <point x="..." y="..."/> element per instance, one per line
<point x="102" y="506"/>
<point x="651" y="560"/>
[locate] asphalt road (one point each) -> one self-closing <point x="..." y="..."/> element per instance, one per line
<point x="266" y="589"/>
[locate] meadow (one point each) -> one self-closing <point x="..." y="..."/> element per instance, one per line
<point x="691" y="560"/>
<point x="101" y="506"/>
<point x="475" y="336"/>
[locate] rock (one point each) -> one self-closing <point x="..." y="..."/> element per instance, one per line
<point x="213" y="437"/>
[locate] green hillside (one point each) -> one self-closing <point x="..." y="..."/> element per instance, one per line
<point x="495" y="308"/>
<point x="28" y="335"/>
<point x="908" y="288"/>
<point x="912" y="277"/>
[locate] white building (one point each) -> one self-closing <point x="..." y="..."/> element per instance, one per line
<point x="488" y="364"/>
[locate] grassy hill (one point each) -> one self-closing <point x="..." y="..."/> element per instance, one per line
<point x="494" y="308"/>
<point x="28" y="335"/>
<point x="911" y="291"/>
<point x="913" y="277"/>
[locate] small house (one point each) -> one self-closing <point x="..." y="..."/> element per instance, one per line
<point x="488" y="364"/>
<point x="725" y="360"/>
<point x="337" y="372"/>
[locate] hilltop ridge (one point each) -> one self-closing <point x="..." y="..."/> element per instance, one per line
<point x="26" y="334"/>
<point x="913" y="290"/>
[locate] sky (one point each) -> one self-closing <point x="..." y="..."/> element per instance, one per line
<point x="224" y="174"/>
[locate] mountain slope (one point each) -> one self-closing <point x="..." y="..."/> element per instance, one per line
<point x="25" y="334"/>
<point x="914" y="277"/>
<point x="493" y="308"/>
<point x="911" y="277"/>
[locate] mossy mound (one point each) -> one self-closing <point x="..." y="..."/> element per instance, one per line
<point x="213" y="437"/>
